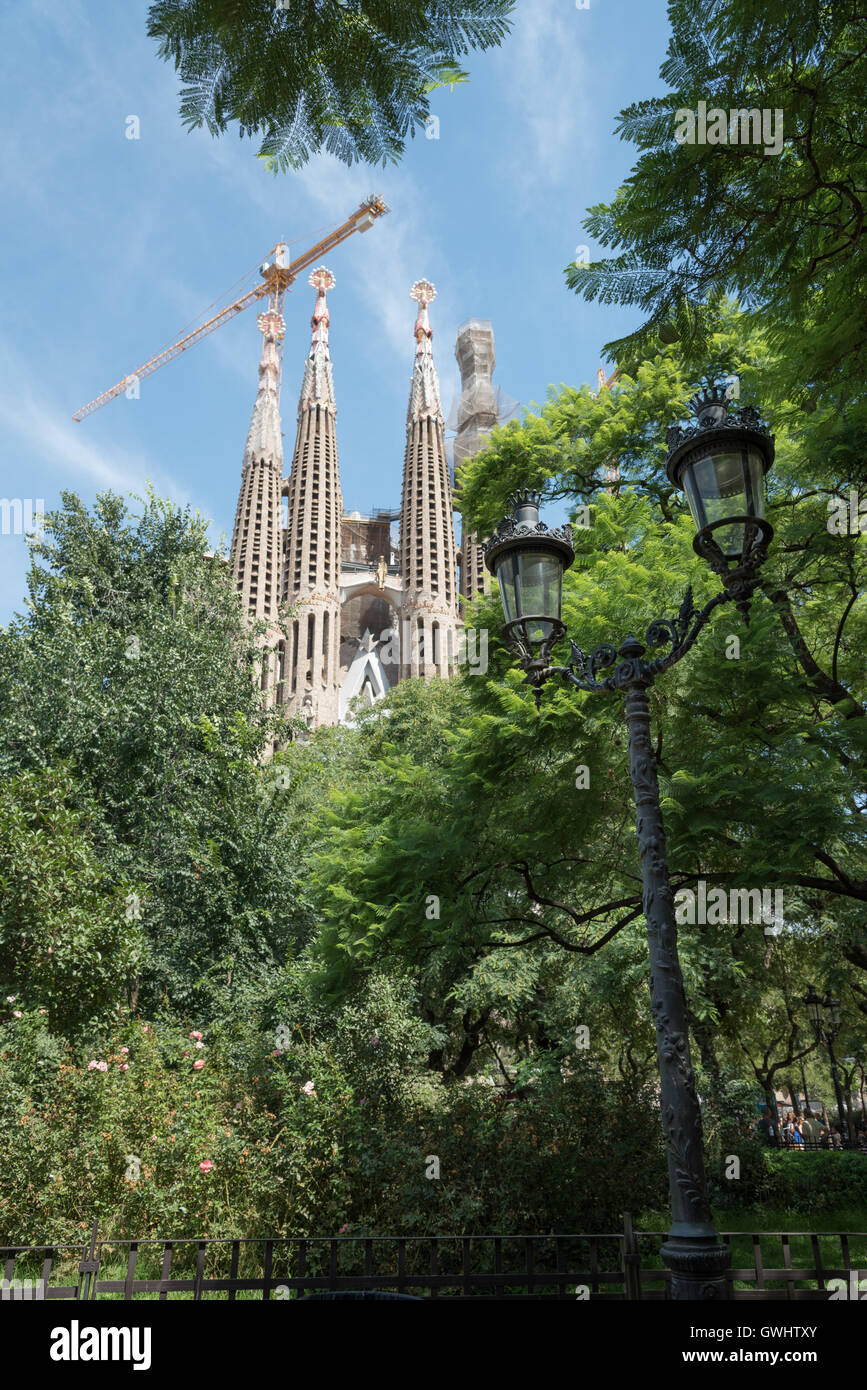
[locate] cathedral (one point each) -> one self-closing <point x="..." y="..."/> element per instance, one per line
<point x="375" y="599"/>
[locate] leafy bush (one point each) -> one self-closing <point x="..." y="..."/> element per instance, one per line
<point x="729" y="1134"/>
<point x="65" y="942"/>
<point x="334" y="1131"/>
<point x="814" y="1181"/>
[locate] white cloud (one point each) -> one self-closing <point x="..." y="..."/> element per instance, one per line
<point x="237" y="349"/>
<point x="54" y="441"/>
<point x="45" y="452"/>
<point x="542" y="68"/>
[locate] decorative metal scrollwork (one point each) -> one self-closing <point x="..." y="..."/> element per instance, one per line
<point x="679" y="634"/>
<point x="586" y="667"/>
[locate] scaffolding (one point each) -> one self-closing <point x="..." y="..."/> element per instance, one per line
<point x="363" y="539"/>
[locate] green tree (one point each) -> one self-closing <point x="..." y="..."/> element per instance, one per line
<point x="352" y="79"/>
<point x="782" y="231"/>
<point x="67" y="944"/>
<point x="759" y="748"/>
<point x="133" y="667"/>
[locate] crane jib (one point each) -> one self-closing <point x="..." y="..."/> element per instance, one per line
<point x="278" y="279"/>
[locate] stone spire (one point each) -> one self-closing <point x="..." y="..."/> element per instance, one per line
<point x="317" y="388"/>
<point x="477" y="415"/>
<point x="424" y="396"/>
<point x="256" y="538"/>
<point x="427" y="540"/>
<point x="311" y="563"/>
<point x="264" y="437"/>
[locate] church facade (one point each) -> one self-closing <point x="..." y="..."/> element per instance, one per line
<point x="375" y="599"/>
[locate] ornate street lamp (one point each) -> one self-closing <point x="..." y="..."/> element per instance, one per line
<point x="720" y="461"/>
<point x="528" y="560"/>
<point x="813" y="1004"/>
<point x="832" y="1014"/>
<point x="826" y="1022"/>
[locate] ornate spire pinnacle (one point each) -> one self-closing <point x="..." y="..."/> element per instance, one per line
<point x="427" y="538"/>
<point x="317" y="387"/>
<point x="264" y="440"/>
<point x="424" y="396"/>
<point x="256" y="536"/>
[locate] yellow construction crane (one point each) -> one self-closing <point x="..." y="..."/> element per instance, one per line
<point x="277" y="276"/>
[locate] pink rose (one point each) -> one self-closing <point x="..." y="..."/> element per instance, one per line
<point x="124" y="1049"/>
<point x="124" y="1066"/>
<point x="200" y="1044"/>
<point x="308" y="1088"/>
<point x="343" y="1230"/>
<point x="197" y="1066"/>
<point x="43" y="1011"/>
<point x="10" y="998"/>
<point x="196" y="1035"/>
<point x="206" y="1166"/>
<point x="16" y="1013"/>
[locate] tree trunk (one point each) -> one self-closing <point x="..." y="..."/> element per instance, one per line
<point x="704" y="1037"/>
<point x="807" y="1108"/>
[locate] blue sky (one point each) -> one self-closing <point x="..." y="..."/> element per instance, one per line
<point x="113" y="245"/>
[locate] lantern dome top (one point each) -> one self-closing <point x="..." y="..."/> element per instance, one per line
<point x="524" y="530"/>
<point x="715" y="424"/>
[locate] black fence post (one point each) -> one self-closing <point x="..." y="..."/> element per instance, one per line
<point x="87" y="1268"/>
<point x="631" y="1262"/>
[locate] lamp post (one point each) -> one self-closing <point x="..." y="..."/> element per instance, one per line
<point x="720" y="461"/>
<point x="824" y="1016"/>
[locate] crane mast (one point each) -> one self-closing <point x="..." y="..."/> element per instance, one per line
<point x="278" y="275"/>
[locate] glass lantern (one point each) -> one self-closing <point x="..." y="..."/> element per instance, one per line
<point x="528" y="559"/>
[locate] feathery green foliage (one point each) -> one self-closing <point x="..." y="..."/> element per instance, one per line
<point x="350" y="78"/>
<point x="784" y="233"/>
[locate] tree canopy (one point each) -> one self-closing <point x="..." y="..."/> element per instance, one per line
<point x="780" y="229"/>
<point x="350" y="79"/>
<point x="131" y="669"/>
<point x="519" y="827"/>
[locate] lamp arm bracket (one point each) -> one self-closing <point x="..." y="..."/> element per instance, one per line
<point x="682" y="631"/>
<point x="679" y="633"/>
<point x="582" y="669"/>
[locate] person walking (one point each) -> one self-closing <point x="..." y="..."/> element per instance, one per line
<point x="767" y="1126"/>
